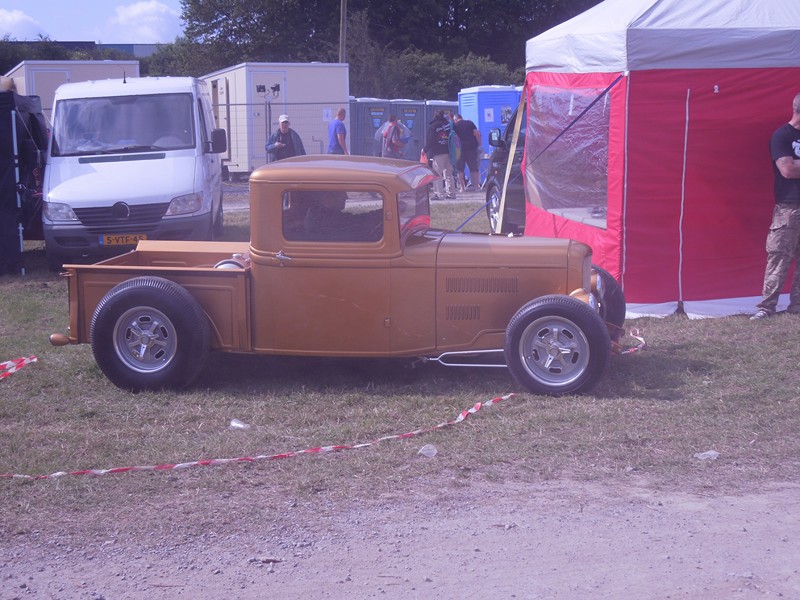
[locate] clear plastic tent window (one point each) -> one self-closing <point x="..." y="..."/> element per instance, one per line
<point x="567" y="152"/>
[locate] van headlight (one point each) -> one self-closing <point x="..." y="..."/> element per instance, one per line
<point x="185" y="204"/>
<point x="57" y="211"/>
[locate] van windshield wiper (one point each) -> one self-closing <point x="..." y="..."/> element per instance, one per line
<point x="131" y="148"/>
<point x="116" y="150"/>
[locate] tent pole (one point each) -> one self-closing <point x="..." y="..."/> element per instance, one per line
<point x="17" y="183"/>
<point x="683" y="202"/>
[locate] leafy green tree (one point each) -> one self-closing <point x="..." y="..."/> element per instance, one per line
<point x="417" y="74"/>
<point x="183" y="57"/>
<point x="13" y="52"/>
<point x="366" y="59"/>
<point x="265" y="30"/>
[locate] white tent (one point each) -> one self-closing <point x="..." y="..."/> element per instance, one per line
<point x="648" y="130"/>
<point x="628" y="35"/>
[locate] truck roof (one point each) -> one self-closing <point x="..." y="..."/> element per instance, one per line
<point x="331" y="168"/>
<point x="129" y="86"/>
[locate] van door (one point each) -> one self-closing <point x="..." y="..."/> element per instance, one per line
<point x="211" y="169"/>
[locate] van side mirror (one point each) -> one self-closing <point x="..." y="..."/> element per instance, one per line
<point x="494" y="139"/>
<point x="219" y="141"/>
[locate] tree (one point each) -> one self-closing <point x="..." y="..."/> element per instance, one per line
<point x="366" y="59"/>
<point x="13" y="52"/>
<point x="183" y="57"/>
<point x="304" y="30"/>
<point x="417" y="74"/>
<point x="264" y="30"/>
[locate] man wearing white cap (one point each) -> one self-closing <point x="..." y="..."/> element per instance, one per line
<point x="284" y="142"/>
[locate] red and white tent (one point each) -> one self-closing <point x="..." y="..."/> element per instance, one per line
<point x="648" y="128"/>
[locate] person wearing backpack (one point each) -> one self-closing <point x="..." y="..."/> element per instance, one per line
<point x="392" y="144"/>
<point x="437" y="148"/>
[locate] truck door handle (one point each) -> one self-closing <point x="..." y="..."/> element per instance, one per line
<point x="282" y="257"/>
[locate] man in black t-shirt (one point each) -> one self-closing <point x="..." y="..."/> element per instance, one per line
<point x="470" y="142"/>
<point x="783" y="240"/>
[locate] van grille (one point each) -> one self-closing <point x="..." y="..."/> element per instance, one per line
<point x="105" y="219"/>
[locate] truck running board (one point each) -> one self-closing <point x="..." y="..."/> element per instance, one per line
<point x="455" y="359"/>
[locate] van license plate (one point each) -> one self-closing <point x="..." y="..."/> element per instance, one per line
<point x="121" y="239"/>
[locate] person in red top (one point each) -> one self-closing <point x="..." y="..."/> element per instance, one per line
<point x="392" y="144"/>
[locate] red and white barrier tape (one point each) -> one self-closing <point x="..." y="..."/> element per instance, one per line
<point x="634" y="333"/>
<point x="223" y="461"/>
<point x="12" y="366"/>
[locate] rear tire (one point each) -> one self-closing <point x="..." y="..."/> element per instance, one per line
<point x="557" y="345"/>
<point x="149" y="333"/>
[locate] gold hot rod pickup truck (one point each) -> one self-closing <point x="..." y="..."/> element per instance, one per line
<point x="343" y="261"/>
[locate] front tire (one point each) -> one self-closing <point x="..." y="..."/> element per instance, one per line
<point x="557" y="345"/>
<point x="612" y="304"/>
<point x="55" y="261"/>
<point x="149" y="333"/>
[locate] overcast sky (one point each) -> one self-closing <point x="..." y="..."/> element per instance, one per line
<point x="101" y="21"/>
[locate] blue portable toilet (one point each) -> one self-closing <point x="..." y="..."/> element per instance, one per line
<point x="489" y="107"/>
<point x="366" y="117"/>
<point x="411" y="113"/>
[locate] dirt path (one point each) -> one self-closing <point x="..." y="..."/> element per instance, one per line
<point x="556" y="539"/>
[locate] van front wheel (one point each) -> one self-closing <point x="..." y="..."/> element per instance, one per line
<point x="218" y="227"/>
<point x="149" y="333"/>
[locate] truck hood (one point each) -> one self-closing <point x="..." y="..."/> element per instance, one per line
<point x="129" y="178"/>
<point x="498" y="251"/>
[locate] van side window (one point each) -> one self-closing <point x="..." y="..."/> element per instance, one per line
<point x="333" y="216"/>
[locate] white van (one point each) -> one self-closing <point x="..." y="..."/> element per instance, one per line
<point x="130" y="159"/>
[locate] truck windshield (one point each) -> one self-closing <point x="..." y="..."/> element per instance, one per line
<point x="118" y="124"/>
<point x="414" y="211"/>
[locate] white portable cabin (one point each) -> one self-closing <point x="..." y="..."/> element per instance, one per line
<point x="249" y="97"/>
<point x="42" y="77"/>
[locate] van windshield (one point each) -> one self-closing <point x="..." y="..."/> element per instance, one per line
<point x="118" y="124"/>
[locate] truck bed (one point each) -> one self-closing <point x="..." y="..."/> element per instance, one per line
<point x="224" y="294"/>
<point x="159" y="253"/>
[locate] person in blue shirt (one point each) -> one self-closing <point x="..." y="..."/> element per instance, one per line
<point x="337" y="134"/>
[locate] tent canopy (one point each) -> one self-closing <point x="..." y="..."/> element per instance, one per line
<point x="648" y="127"/>
<point x="625" y="35"/>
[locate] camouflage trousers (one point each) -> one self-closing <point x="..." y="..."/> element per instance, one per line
<point x="783" y="247"/>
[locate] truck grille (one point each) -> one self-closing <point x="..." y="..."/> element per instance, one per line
<point x="481" y="285"/>
<point x="108" y="219"/>
<point x="456" y="312"/>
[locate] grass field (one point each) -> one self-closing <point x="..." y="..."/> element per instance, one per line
<point x="729" y="384"/>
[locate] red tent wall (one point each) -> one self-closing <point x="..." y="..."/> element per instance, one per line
<point x="691" y="223"/>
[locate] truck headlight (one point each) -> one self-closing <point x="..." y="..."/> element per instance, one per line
<point x="185" y="204"/>
<point x="57" y="211"/>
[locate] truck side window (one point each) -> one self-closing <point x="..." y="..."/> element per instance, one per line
<point x="332" y="216"/>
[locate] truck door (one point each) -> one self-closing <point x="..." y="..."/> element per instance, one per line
<point x="329" y="284"/>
